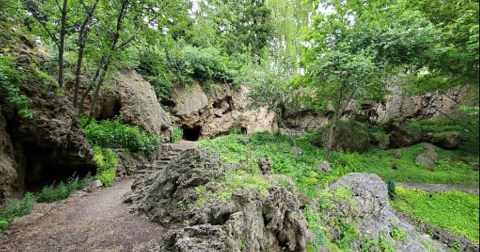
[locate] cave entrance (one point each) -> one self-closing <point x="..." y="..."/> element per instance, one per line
<point x="42" y="168"/>
<point x="191" y="133"/>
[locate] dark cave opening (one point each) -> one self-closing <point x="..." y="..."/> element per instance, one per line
<point x="43" y="167"/>
<point x="191" y="134"/>
<point x="109" y="112"/>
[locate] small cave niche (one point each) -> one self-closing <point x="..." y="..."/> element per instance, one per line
<point x="110" y="112"/>
<point x="42" y="168"/>
<point x="191" y="133"/>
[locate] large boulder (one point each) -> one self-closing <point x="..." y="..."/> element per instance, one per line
<point x="183" y="197"/>
<point x="134" y="98"/>
<point x="361" y="199"/>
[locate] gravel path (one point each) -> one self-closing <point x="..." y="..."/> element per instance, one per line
<point x="99" y="221"/>
<point x="473" y="189"/>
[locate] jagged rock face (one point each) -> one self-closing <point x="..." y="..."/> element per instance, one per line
<point x="245" y="222"/>
<point x="8" y="165"/>
<point x="216" y="111"/>
<point x="396" y="105"/>
<point x="133" y="97"/>
<point x="373" y="215"/>
<point x="52" y="145"/>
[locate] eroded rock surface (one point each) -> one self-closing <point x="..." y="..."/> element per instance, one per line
<point x="246" y="221"/>
<point x="8" y="165"/>
<point x="367" y="207"/>
<point x="217" y="110"/>
<point x="133" y="97"/>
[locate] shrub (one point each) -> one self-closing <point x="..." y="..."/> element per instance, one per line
<point x="392" y="193"/>
<point x="106" y="161"/>
<point x="14" y="209"/>
<point x="10" y="90"/>
<point x="176" y="134"/>
<point x="115" y="134"/>
<point x="62" y="190"/>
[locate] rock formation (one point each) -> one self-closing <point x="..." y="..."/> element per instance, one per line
<point x="246" y="221"/>
<point x="367" y="208"/>
<point x="396" y="105"/>
<point x="49" y="147"/>
<point x="133" y="97"/>
<point x="216" y="111"/>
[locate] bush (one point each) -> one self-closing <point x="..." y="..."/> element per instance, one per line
<point x="62" y="190"/>
<point x="115" y="134"/>
<point x="9" y="89"/>
<point x="14" y="209"/>
<point x="392" y="193"/>
<point x="176" y="134"/>
<point x="106" y="161"/>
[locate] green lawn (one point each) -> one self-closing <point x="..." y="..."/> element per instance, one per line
<point x="453" y="211"/>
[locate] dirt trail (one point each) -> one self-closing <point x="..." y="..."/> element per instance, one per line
<point x="99" y="221"/>
<point x="473" y="189"/>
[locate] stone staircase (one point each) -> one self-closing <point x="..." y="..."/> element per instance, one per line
<point x="149" y="171"/>
<point x="170" y="151"/>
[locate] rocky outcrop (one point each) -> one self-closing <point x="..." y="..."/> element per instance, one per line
<point x="366" y="207"/>
<point x="397" y="104"/>
<point x="9" y="168"/>
<point x="131" y="96"/>
<point x="179" y="197"/>
<point x="51" y="146"/>
<point x="217" y="110"/>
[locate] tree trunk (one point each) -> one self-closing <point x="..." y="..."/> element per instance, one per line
<point x="82" y="38"/>
<point x="61" y="46"/>
<point x="339" y="109"/>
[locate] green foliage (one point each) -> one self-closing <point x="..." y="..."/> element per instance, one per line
<point x="453" y="166"/>
<point x="14" y="209"/>
<point x="106" y="161"/>
<point x="176" y="134"/>
<point x="454" y="211"/>
<point x="62" y="190"/>
<point x="398" y="234"/>
<point x="115" y="134"/>
<point x="315" y="225"/>
<point x="9" y="79"/>
<point x="392" y="193"/>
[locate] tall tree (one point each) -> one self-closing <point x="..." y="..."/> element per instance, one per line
<point x="52" y="18"/>
<point x="355" y="44"/>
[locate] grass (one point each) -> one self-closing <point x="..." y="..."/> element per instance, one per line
<point x="454" y="211"/>
<point x="62" y="190"/>
<point x="14" y="209"/>
<point x="453" y="167"/>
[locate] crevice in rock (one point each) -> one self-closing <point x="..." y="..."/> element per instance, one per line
<point x="191" y="133"/>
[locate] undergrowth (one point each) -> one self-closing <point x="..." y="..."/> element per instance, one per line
<point x="106" y="161"/>
<point x="10" y="91"/>
<point x="115" y="134"/>
<point x="176" y="134"/>
<point x="14" y="209"/>
<point x="62" y="190"/>
<point x="454" y="211"/>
